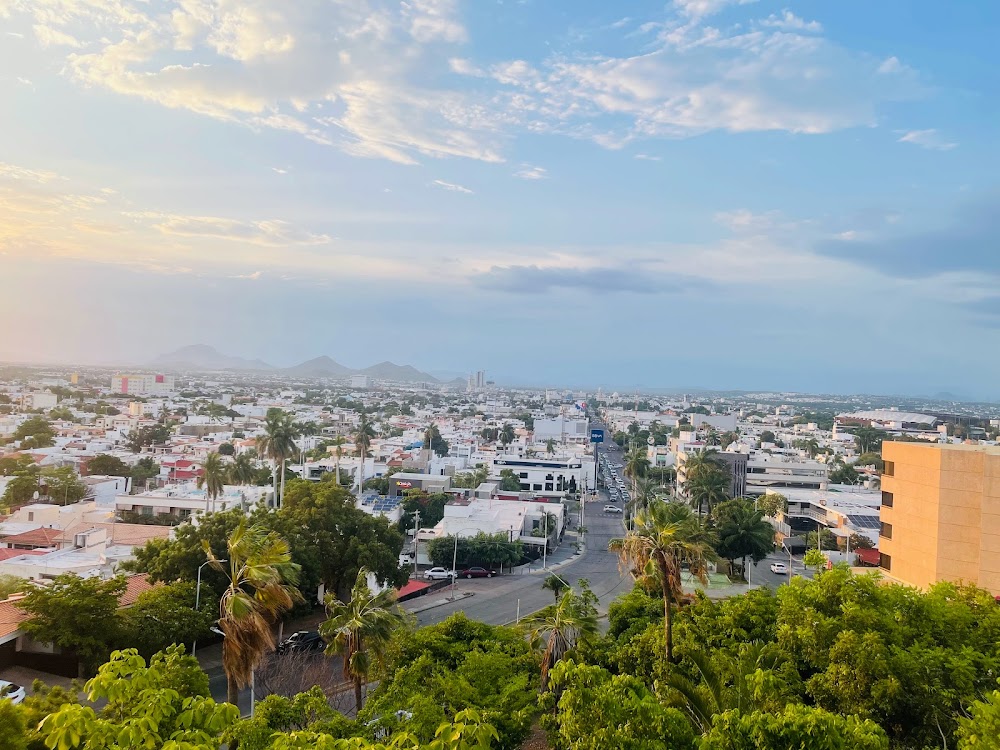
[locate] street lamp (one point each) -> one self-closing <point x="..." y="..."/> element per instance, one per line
<point x="789" y="561"/>
<point x="454" y="562"/>
<point x="197" y="598"/>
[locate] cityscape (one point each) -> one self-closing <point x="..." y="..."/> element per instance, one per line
<point x="453" y="375"/>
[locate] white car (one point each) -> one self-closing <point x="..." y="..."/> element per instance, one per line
<point x="779" y="567"/>
<point x="438" y="574"/>
<point x="16" y="693"/>
<point x="612" y="509"/>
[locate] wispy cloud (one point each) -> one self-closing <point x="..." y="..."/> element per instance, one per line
<point x="528" y="172"/>
<point x="451" y="186"/>
<point x="647" y="157"/>
<point x="788" y="21"/>
<point x="266" y="233"/>
<point x="929" y="139"/>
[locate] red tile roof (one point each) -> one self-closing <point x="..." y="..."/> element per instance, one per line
<point x="6" y="554"/>
<point x="411" y="587"/>
<point x="36" y="537"/>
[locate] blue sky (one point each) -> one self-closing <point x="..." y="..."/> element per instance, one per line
<point x="717" y="193"/>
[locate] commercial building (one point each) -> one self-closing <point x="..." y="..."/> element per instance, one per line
<point x="145" y="384"/>
<point x="402" y="481"/>
<point x="359" y="381"/>
<point x="39" y="400"/>
<point x="734" y="464"/>
<point x="940" y="514"/>
<point x="555" y="477"/>
<point x="562" y="430"/>
<point x="772" y="472"/>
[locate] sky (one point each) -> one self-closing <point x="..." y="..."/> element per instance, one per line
<point x="715" y="193"/>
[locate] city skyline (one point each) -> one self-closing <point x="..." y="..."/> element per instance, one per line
<point x="717" y="192"/>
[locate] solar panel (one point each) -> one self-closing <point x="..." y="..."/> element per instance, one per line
<point x="865" y="522"/>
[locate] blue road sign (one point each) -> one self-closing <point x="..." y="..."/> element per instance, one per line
<point x="597" y="436"/>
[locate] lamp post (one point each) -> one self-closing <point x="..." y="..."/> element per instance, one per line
<point x="197" y="598"/>
<point x="789" y="561"/>
<point x="454" y="562"/>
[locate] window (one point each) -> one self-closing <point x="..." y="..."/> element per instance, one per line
<point x="523" y="475"/>
<point x="31" y="515"/>
<point x="548" y="486"/>
<point x="885" y="561"/>
<point x="886" y="499"/>
<point x="885" y="530"/>
<point x="889" y="469"/>
<point x="537" y="487"/>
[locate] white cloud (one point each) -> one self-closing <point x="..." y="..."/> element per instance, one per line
<point x="892" y="65"/>
<point x="266" y="233"/>
<point x="929" y="139"/>
<point x="452" y="187"/>
<point x="279" y="170"/>
<point x="14" y="172"/>
<point x="49" y="37"/>
<point x="528" y="172"/>
<point x="647" y="157"/>
<point x="745" y="221"/>
<point x="702" y="8"/>
<point x="788" y="21"/>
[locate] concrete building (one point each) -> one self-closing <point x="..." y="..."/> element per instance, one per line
<point x="550" y="476"/>
<point x="562" y="430"/>
<point x="402" y="481"/>
<point x="941" y="514"/>
<point x="734" y="464"/>
<point x="774" y="472"/>
<point x="39" y="400"/>
<point x="359" y="381"/>
<point x="720" y="422"/>
<point x="145" y="384"/>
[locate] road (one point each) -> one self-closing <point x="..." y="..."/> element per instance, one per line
<point x="498" y="600"/>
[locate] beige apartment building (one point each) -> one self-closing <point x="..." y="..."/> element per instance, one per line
<point x="940" y="515"/>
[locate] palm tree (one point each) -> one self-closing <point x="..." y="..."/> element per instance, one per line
<point x="559" y="628"/>
<point x="363" y="442"/>
<point x="242" y="469"/>
<point x="645" y="492"/>
<point x="743" y="533"/>
<point x="665" y="537"/>
<point x="278" y="444"/>
<point x="362" y="625"/>
<point x="507" y="434"/>
<point x="212" y="479"/>
<point x="636" y="465"/>
<point x="555" y="584"/>
<point x="261" y="586"/>
<point x="708" y="486"/>
<point x="550" y="446"/>
<point x="338" y="452"/>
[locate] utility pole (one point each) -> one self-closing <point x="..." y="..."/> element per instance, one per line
<point x="416" y="537"/>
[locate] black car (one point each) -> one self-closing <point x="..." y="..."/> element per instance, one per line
<point x="477" y="573"/>
<point x="304" y="641"/>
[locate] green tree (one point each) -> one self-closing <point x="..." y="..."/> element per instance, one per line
<point x="728" y="438"/>
<point x="743" y="532"/>
<point x="11" y="585"/>
<point x="62" y="485"/>
<point x="109" y="466"/>
<point x="227" y="449"/>
<point x="17" y="464"/>
<point x="471" y="479"/>
<point x="550" y="446"/>
<point x="35" y="432"/>
<point x="212" y="479"/>
<point x="156" y="434"/>
<point x="767" y="437"/>
<point x="359" y="629"/>
<point x="243" y="469"/>
<point x="772" y="503"/>
<point x="870" y="459"/>
<point x="555" y="584"/>
<point x="363" y="436"/>
<point x="665" y="537"/>
<point x="844" y="474"/>
<point x="13" y="726"/>
<point x="507" y="434"/>
<point x="980" y="730"/>
<point x="509" y="481"/>
<point x="868" y="439"/>
<point x="708" y="486"/>
<point x="77" y="614"/>
<point x="278" y="444"/>
<point x="430" y="506"/>
<point x="160" y="705"/>
<point x="636" y="465"/>
<point x="814" y="558"/>
<point x="165" y="615"/>
<point x="144" y="470"/>
<point x="796" y="727"/>
<point x="434" y="441"/>
<point x="559" y="628"/>
<point x="20" y="490"/>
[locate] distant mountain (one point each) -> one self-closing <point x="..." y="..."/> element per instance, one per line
<point x="320" y="367"/>
<point x="399" y="373"/>
<point x="203" y="357"/>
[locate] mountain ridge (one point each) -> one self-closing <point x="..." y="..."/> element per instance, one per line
<point x="203" y="357"/>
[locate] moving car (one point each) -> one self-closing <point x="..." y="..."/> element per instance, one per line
<point x="438" y="574"/>
<point x="779" y="567"/>
<point x="477" y="573"/>
<point x="612" y="509"/>
<point x="16" y="693"/>
<point x="303" y="641"/>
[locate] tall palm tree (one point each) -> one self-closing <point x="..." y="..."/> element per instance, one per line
<point x="559" y="628"/>
<point x="636" y="465"/>
<point x="261" y="586"/>
<point x="743" y="532"/>
<point x="278" y="444"/>
<point x="212" y="479"/>
<point x="363" y="442"/>
<point x="645" y="492"/>
<point x="550" y="446"/>
<point x="242" y="469"/>
<point x="356" y="628"/>
<point x="507" y="434"/>
<point x="338" y="452"/>
<point x="708" y="487"/>
<point x="665" y="538"/>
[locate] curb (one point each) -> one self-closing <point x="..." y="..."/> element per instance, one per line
<point x="440" y="603"/>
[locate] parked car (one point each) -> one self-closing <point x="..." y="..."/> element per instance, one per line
<point x="438" y="574"/>
<point x="477" y="573"/>
<point x="303" y="641"/>
<point x="612" y="509"/>
<point x="15" y="693"/>
<point x="779" y="567"/>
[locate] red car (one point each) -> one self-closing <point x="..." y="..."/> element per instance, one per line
<point x="477" y="573"/>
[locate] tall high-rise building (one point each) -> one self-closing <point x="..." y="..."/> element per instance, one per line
<point x="941" y="514"/>
<point x="143" y="385"/>
<point x="481" y="379"/>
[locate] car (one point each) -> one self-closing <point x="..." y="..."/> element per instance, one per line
<point x="439" y="574"/>
<point x="477" y="573"/>
<point x="612" y="509"/>
<point x="15" y="693"/>
<point x="303" y="641"/>
<point x="779" y="567"/>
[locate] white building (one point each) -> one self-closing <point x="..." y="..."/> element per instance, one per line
<point x="778" y="473"/>
<point x="562" y="429"/>
<point x="550" y="476"/>
<point x="145" y="384"/>
<point x="359" y="381"/>
<point x="39" y="400"/>
<point x="182" y="501"/>
<point x="720" y="422"/>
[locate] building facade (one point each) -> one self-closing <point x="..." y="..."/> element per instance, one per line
<point x="145" y="384"/>
<point x="940" y="515"/>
